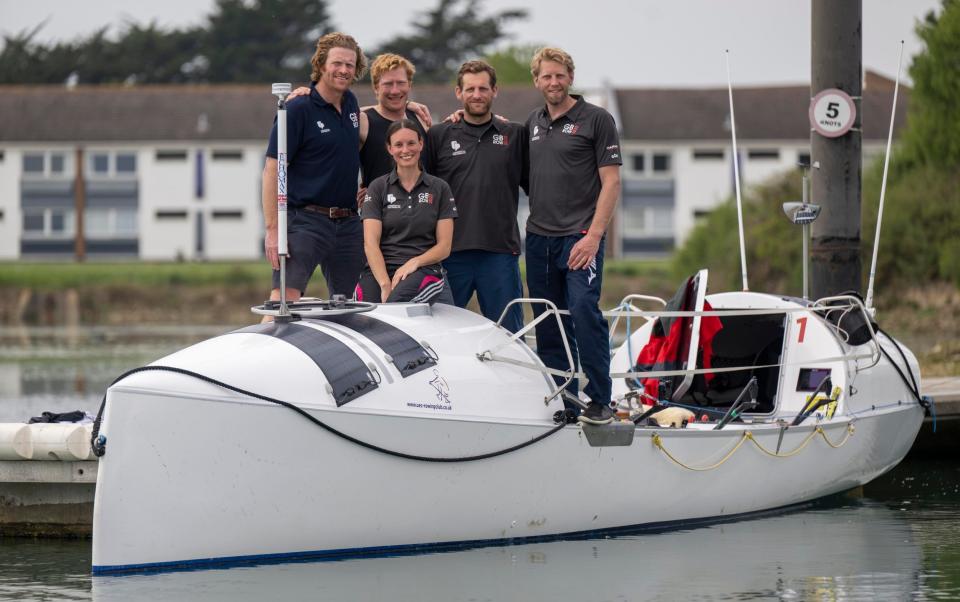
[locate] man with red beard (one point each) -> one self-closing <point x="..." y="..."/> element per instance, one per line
<point x="484" y="160"/>
<point x="392" y="78"/>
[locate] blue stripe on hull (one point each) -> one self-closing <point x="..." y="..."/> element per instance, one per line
<point x="421" y="548"/>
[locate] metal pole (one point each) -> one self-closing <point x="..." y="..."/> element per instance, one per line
<point x="736" y="177"/>
<point x="836" y="62"/>
<point x="281" y="91"/>
<point x="883" y="186"/>
<point x="806" y="237"/>
<point x="79" y="207"/>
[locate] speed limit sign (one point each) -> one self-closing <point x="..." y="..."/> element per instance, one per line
<point x="832" y="113"/>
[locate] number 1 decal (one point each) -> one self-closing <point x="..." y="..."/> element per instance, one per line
<point x="803" y="329"/>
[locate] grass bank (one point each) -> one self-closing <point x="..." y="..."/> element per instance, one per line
<point x="50" y="294"/>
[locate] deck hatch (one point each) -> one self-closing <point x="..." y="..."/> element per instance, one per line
<point x="405" y="352"/>
<point x="343" y="368"/>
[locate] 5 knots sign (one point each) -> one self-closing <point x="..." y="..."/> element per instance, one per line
<point x="832" y="113"/>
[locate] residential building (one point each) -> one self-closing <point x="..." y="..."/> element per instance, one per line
<point x="173" y="172"/>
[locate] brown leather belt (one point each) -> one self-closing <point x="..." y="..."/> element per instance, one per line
<point x="331" y="212"/>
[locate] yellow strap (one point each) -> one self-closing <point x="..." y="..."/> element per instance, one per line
<point x="658" y="442"/>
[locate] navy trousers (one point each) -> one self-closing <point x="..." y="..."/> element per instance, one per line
<point x="548" y="277"/>
<point x="495" y="277"/>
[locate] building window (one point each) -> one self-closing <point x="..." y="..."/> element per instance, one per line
<point x="227" y="214"/>
<point x="107" y="164"/>
<point x="644" y="222"/>
<point x="170" y="215"/>
<point x="33" y="223"/>
<point x="110" y="223"/>
<point x="639" y="163"/>
<point x="100" y="163"/>
<point x="803" y="159"/>
<point x="48" y="223"/>
<point x="707" y="154"/>
<point x="634" y="222"/>
<point x="33" y="163"/>
<point x="661" y="163"/>
<point x="46" y="164"/>
<point x="763" y="153"/>
<point x="227" y="155"/>
<point x="171" y="155"/>
<point x="126" y="163"/>
<point x="1" y="156"/>
<point x="57" y="164"/>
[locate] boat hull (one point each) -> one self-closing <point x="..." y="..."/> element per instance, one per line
<point x="214" y="479"/>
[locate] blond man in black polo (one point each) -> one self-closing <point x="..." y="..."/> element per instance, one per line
<point x="574" y="185"/>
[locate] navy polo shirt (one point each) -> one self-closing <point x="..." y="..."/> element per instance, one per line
<point x="323" y="151"/>
<point x="566" y="155"/>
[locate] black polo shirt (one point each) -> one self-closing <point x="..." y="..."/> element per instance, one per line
<point x="565" y="156"/>
<point x="485" y="166"/>
<point x="322" y="151"/>
<point x="375" y="161"/>
<point x="409" y="218"/>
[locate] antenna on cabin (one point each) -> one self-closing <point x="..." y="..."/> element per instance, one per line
<point x="281" y="90"/>
<point x="883" y="186"/>
<point x="736" y="177"/>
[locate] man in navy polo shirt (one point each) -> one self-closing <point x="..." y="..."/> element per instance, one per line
<point x="484" y="160"/>
<point x="574" y="185"/>
<point x="323" y="141"/>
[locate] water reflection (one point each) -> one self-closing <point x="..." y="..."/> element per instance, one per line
<point x="61" y="369"/>
<point x="859" y="552"/>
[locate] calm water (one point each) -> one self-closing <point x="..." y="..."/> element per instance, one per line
<point x="900" y="541"/>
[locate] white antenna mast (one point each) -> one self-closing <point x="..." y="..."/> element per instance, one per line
<point x="883" y="186"/>
<point x="736" y="177"/>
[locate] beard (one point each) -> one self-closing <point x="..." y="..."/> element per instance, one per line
<point x="477" y="109"/>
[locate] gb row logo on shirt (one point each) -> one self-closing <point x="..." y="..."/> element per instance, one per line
<point x="570" y="128"/>
<point x="501" y="140"/>
<point x="425" y="197"/>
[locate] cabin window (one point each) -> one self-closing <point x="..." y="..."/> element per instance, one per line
<point x="751" y="342"/>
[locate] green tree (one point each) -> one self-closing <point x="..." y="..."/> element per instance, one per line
<point x="933" y="135"/>
<point x="513" y="63"/>
<point x="449" y="34"/>
<point x="263" y="40"/>
<point x="241" y="41"/>
<point x="918" y="243"/>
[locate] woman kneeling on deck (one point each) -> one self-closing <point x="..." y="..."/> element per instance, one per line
<point x="407" y="227"/>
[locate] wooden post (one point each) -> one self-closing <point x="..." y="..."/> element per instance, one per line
<point x="836" y="62"/>
<point x="79" y="206"/>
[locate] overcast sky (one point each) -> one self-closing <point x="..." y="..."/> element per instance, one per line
<point x="625" y="42"/>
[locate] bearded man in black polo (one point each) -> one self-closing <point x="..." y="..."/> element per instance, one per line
<point x="484" y="160"/>
<point x="574" y="185"/>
